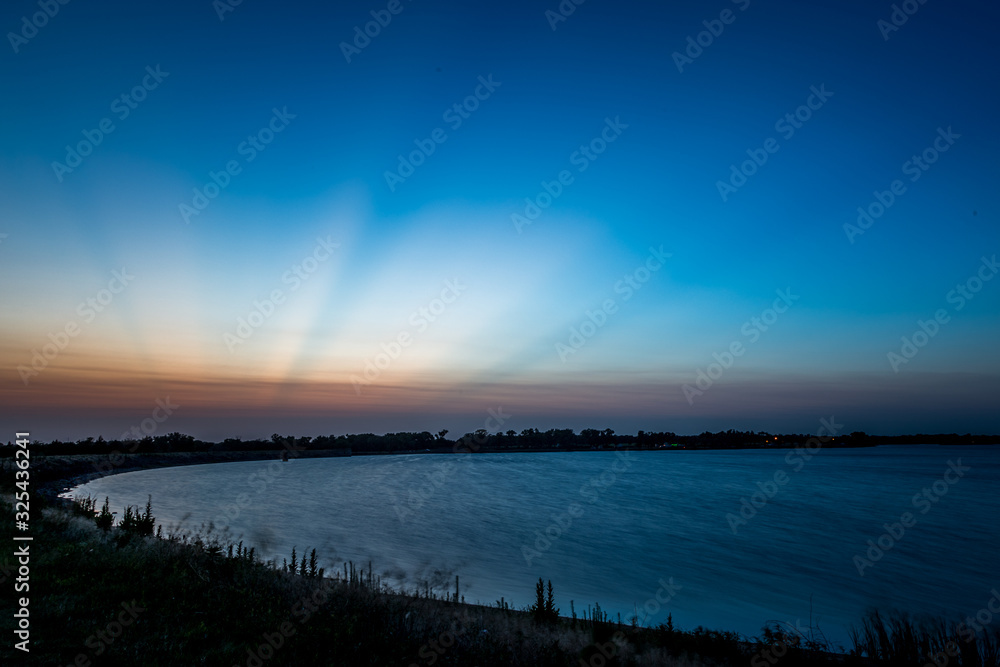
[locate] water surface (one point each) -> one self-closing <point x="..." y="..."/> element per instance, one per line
<point x="619" y="527"/>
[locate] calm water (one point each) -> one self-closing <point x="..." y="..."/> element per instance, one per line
<point x="661" y="515"/>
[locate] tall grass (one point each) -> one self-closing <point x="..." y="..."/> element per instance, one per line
<point x="900" y="640"/>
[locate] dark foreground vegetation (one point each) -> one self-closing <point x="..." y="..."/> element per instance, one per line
<point x="120" y="590"/>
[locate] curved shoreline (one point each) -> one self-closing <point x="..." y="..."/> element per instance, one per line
<point x="61" y="473"/>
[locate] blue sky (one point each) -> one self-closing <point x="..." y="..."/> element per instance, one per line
<point x="553" y="91"/>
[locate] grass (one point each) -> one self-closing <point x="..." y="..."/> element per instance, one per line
<point x="898" y="640"/>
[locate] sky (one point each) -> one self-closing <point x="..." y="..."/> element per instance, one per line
<point x="321" y="218"/>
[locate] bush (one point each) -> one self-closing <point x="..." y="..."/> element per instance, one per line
<point x="134" y="523"/>
<point x="105" y="519"/>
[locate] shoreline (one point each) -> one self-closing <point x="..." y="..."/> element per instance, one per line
<point x="62" y="473"/>
<point x="348" y="610"/>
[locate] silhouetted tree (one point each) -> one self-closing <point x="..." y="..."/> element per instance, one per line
<point x="544" y="609"/>
<point x="105" y="519"/>
<point x="538" y="609"/>
<point x="551" y="611"/>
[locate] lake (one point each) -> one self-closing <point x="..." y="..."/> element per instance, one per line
<point x="656" y="532"/>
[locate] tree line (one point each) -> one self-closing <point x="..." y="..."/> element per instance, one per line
<point x="527" y="439"/>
